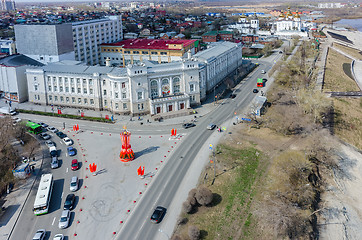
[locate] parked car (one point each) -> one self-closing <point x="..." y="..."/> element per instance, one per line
<point x="233" y="95"/>
<point x="158" y="214"/>
<point x="67" y="141"/>
<point x="53" y="129"/>
<point x="58" y="237"/>
<point x="54" y="163"/>
<point x="39" y="235"/>
<point x="74" y="183"/>
<point x="263" y="71"/>
<point x="255" y="90"/>
<point x="50" y="144"/>
<point x="44" y="125"/>
<point x="64" y="219"/>
<point x="61" y="135"/>
<point x="53" y="151"/>
<point x="16" y="120"/>
<point x="69" y="202"/>
<point x="71" y="151"/>
<point x="75" y="164"/>
<point x="44" y="136"/>
<point x="211" y="126"/>
<point x="188" y="125"/>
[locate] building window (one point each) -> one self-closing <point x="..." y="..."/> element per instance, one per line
<point x="49" y="79"/>
<point x="136" y="52"/>
<point x="56" y="98"/>
<point x="154" y="88"/>
<point x="73" y="99"/>
<point x="104" y="82"/>
<point x="78" y="90"/>
<point x="144" y="52"/>
<point x="154" y="53"/>
<point x="140" y="106"/>
<point x="62" y="99"/>
<point x="163" y="53"/>
<point x="84" y="91"/>
<point x="90" y="82"/>
<point x="49" y="88"/>
<point x="105" y="102"/>
<point x="50" y="97"/>
<point x="36" y="87"/>
<point x="78" y="80"/>
<point x="85" y="101"/>
<point x="165" y="86"/>
<point x="116" y="94"/>
<point x="124" y="95"/>
<point x="116" y="105"/>
<point x="176" y="85"/>
<point x="66" y="89"/>
<point x="91" y="101"/>
<point x="73" y="90"/>
<point x="91" y="91"/>
<point x="115" y="85"/>
<point x="60" y="89"/>
<point x="124" y="106"/>
<point x="79" y="101"/>
<point x="84" y="81"/>
<point x="192" y="87"/>
<point x="139" y="95"/>
<point x="55" y="88"/>
<point x="67" y="99"/>
<point x="123" y="85"/>
<point x="127" y="52"/>
<point x="72" y="80"/>
<point x="104" y="92"/>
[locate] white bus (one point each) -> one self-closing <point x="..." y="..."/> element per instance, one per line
<point x="42" y="199"/>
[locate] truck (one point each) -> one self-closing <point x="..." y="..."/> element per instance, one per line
<point x="7" y="111"/>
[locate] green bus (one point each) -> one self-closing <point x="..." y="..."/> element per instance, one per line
<point x="34" y="127"/>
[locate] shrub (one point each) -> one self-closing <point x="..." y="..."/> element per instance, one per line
<point x="203" y="195"/>
<point x="194" y="232"/>
<point x="186" y="206"/>
<point x="176" y="237"/>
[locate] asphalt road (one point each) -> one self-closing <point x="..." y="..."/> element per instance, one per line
<point x="164" y="187"/>
<point x="28" y="223"/>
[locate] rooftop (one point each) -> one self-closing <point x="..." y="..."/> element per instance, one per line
<point x="150" y="43"/>
<point x="17" y="60"/>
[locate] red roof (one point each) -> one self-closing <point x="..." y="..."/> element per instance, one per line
<point x="150" y="43"/>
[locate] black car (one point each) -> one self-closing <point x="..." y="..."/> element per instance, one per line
<point x="69" y="202"/>
<point x="233" y="95"/>
<point x="255" y="90"/>
<point x="188" y="125"/>
<point x="61" y="135"/>
<point x="158" y="214"/>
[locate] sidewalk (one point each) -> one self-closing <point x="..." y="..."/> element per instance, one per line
<point x="16" y="199"/>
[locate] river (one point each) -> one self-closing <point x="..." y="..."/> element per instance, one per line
<point x="354" y="23"/>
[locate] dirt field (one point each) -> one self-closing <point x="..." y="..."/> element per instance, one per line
<point x="351" y="51"/>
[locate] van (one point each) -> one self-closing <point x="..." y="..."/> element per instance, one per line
<point x="54" y="163"/>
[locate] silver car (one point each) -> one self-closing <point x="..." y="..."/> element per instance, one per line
<point x="39" y="235"/>
<point x="74" y="184"/>
<point x="54" y="163"/>
<point x="64" y="219"/>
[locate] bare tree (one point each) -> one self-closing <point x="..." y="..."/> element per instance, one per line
<point x="203" y="195"/>
<point x="31" y="146"/>
<point x="194" y="232"/>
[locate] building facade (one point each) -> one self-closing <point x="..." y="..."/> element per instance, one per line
<point x="246" y="25"/>
<point x="13" y="81"/>
<point x="215" y="36"/>
<point x="68" y="41"/>
<point x="7" y="5"/>
<point x="7" y="46"/>
<point x="289" y="24"/>
<point x="89" y="35"/>
<point x="146" y="88"/>
<point x="134" y="51"/>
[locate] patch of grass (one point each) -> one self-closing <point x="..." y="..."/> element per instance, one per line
<point x="237" y="173"/>
<point x="95" y="119"/>
<point x="348" y="120"/>
<point x="335" y="79"/>
<point x="350" y="51"/>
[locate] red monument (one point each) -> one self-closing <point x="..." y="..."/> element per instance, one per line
<point x="126" y="154"/>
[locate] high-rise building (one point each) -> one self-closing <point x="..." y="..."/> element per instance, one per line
<point x="88" y="35"/>
<point x="7" y="5"/>
<point x="68" y="41"/>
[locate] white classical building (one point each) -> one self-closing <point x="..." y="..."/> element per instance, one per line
<point x="246" y="25"/>
<point x="136" y="89"/>
<point x="289" y="24"/>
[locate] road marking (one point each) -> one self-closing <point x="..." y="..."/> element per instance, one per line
<point x="62" y="195"/>
<point x="67" y="170"/>
<point x="53" y="221"/>
<point x="66" y="154"/>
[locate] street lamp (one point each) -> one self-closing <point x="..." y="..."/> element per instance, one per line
<point x="160" y="230"/>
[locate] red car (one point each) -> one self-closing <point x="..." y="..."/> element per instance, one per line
<point x="75" y="165"/>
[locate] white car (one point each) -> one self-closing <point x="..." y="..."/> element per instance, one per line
<point x="53" y="129"/>
<point x="16" y="119"/>
<point x="58" y="237"/>
<point x="74" y="184"/>
<point x="64" y="219"/>
<point x="44" y="136"/>
<point x="67" y="141"/>
<point x="40" y="234"/>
